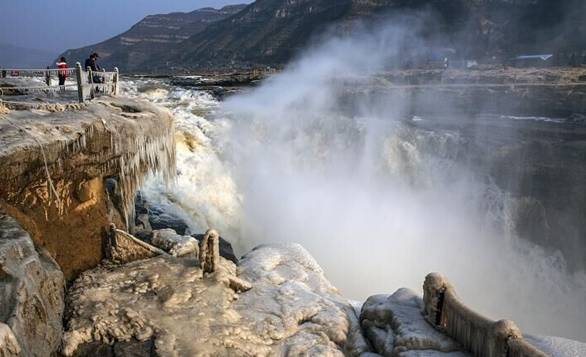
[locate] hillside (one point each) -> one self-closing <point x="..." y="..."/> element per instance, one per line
<point x="134" y="48"/>
<point x="271" y="32"/>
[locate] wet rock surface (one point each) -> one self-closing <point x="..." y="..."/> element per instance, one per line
<point x="160" y="219"/>
<point x="291" y="309"/>
<point x="31" y="295"/>
<point x="151" y="218"/>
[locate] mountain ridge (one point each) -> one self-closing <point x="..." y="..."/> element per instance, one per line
<point x="154" y="33"/>
<point x="272" y="32"/>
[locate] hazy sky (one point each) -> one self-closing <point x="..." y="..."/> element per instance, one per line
<point x="57" y="25"/>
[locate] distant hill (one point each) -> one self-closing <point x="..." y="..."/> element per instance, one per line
<point x="133" y="50"/>
<point x="271" y="32"/>
<point x="19" y="57"/>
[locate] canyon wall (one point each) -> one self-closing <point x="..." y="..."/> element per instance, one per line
<point x="67" y="174"/>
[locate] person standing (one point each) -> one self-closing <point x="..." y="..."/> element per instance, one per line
<point x="62" y="72"/>
<point x="92" y="63"/>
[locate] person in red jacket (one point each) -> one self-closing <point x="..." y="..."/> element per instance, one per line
<point x="62" y="73"/>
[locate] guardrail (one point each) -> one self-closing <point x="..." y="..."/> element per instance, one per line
<point x="479" y="335"/>
<point x="87" y="83"/>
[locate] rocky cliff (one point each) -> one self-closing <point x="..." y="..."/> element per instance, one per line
<point x="273" y="31"/>
<point x="151" y="36"/>
<point x="69" y="171"/>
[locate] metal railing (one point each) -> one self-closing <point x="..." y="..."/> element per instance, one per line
<point x="87" y="84"/>
<point x="479" y="335"/>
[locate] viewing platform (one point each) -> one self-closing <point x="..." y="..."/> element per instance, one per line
<point x="26" y="85"/>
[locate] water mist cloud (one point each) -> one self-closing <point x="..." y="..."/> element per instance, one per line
<point x="380" y="202"/>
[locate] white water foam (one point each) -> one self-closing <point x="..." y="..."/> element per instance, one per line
<point x="204" y="194"/>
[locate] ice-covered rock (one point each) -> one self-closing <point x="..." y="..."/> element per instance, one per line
<point x="124" y="248"/>
<point x="67" y="172"/>
<point x="31" y="295"/>
<point x="160" y="215"/>
<point x="9" y="345"/>
<point x="395" y="326"/>
<point x="175" y="244"/>
<point x="293" y="304"/>
<point x="290" y="310"/>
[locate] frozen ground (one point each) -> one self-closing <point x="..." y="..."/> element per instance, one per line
<point x="291" y="309"/>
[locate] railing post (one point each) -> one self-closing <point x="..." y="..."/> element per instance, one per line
<point x="48" y="77"/>
<point x="90" y="81"/>
<point x="103" y="82"/>
<point x="209" y="251"/>
<point x="116" y="74"/>
<point x="434" y="288"/>
<point x="502" y="331"/>
<point x="79" y="82"/>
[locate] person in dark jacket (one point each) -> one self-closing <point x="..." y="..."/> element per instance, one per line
<point x="92" y="63"/>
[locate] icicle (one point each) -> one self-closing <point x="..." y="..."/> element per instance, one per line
<point x="140" y="157"/>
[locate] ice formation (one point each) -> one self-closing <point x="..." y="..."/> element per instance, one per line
<point x="127" y="151"/>
<point x="395" y="324"/>
<point x="57" y="164"/>
<point x="205" y="194"/>
<point x="123" y="247"/>
<point x="177" y="245"/>
<point x="291" y="308"/>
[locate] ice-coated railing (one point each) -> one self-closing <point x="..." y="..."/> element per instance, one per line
<point x="479" y="335"/>
<point x="87" y="83"/>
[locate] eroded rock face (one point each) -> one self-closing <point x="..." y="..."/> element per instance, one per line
<point x="395" y="326"/>
<point x="31" y="295"/>
<point x="291" y="308"/>
<point x="55" y="164"/>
